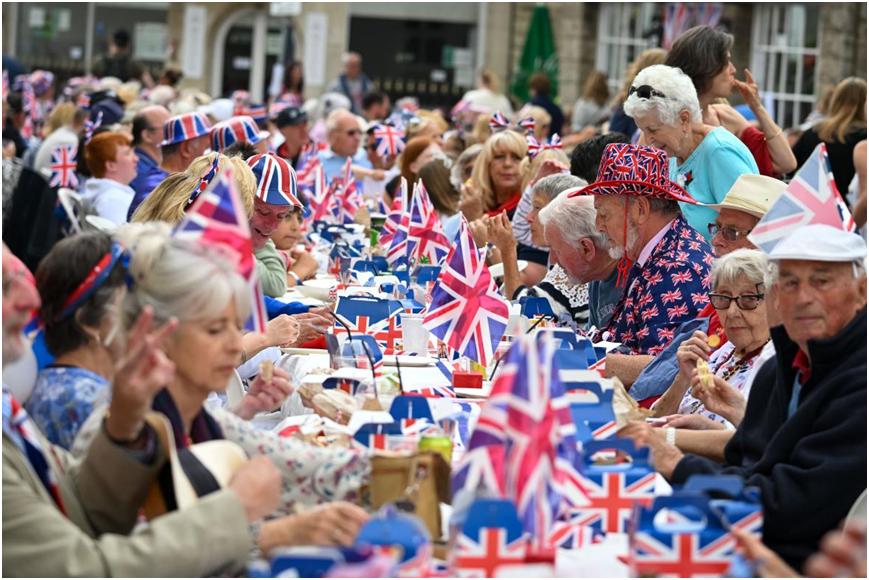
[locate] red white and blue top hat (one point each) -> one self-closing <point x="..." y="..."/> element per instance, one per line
<point x="234" y="130"/>
<point x="275" y="180"/>
<point x="635" y="170"/>
<point x="184" y="128"/>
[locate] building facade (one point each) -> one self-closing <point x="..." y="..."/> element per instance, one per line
<point x="434" y="50"/>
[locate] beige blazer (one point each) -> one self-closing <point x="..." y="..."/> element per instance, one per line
<point x="102" y="494"/>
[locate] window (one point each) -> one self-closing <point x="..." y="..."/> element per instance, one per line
<point x="785" y="49"/>
<point x="623" y="32"/>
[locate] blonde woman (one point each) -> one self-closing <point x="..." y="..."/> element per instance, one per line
<point x="841" y="130"/>
<point x="497" y="177"/>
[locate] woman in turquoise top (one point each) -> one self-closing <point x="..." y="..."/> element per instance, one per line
<point x="704" y="160"/>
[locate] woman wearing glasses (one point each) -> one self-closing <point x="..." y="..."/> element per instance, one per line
<point x="740" y="281"/>
<point x="705" y="160"/>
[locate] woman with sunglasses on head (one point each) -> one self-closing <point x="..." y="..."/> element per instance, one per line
<point x="740" y="282"/>
<point x="705" y="160"/>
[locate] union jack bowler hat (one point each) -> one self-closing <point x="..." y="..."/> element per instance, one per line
<point x="275" y="180"/>
<point x="184" y="127"/>
<point x="635" y="170"/>
<point x="234" y="130"/>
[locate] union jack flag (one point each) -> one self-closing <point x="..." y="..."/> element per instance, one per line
<point x="389" y="140"/>
<point x="309" y="162"/>
<point x="611" y="500"/>
<point x="434" y="392"/>
<point x="63" y="160"/>
<point x="466" y="310"/>
<point x="398" y="245"/>
<point x="91" y="126"/>
<point x="320" y="200"/>
<point x="218" y="219"/>
<point x="425" y="234"/>
<point x="384" y="331"/>
<point x="810" y="198"/>
<point x="482" y="559"/>
<point x="393" y="218"/>
<point x="528" y="417"/>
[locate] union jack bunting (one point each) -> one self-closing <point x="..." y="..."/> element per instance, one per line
<point x="218" y="218"/>
<point x="276" y="180"/>
<point x="63" y="161"/>
<point x="425" y="234"/>
<point x="91" y="126"/>
<point x="810" y="198"/>
<point x="466" y="310"/>
<point x="536" y="147"/>
<point x="389" y="140"/>
<point x="184" y="128"/>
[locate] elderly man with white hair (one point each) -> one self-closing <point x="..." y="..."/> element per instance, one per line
<point x="345" y="136"/>
<point x="705" y="160"/>
<point x="802" y="441"/>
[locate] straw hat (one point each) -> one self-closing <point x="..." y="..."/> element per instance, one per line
<point x="752" y="194"/>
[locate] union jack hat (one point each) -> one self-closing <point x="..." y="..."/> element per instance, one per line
<point x="184" y="127"/>
<point x="257" y="111"/>
<point x="234" y="130"/>
<point x="275" y="180"/>
<point x="635" y="170"/>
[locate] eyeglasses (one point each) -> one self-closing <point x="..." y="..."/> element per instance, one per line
<point x="646" y="92"/>
<point x="729" y="233"/>
<point x="743" y="301"/>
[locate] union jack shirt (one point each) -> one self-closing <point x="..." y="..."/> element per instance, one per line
<point x="668" y="289"/>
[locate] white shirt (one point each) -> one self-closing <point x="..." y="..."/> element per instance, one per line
<point x="108" y="198"/>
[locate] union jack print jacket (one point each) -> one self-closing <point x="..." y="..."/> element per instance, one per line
<point x="669" y="289"/>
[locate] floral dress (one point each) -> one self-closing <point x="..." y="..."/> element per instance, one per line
<point x="739" y="374"/>
<point x="62" y="400"/>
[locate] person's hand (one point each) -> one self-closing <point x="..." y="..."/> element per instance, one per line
<point x="264" y="396"/>
<point x="748" y="90"/>
<point x="305" y="265"/>
<point x="499" y="231"/>
<point x="719" y="398"/>
<point x="690" y="421"/>
<point x="770" y="565"/>
<point x="282" y="331"/>
<point x="332" y="524"/>
<point x="323" y="311"/>
<point x="311" y="326"/>
<point x="257" y="484"/>
<point x="690" y="351"/>
<point x="141" y="372"/>
<point x="471" y="202"/>
<point x="480" y="232"/>
<point x="842" y="553"/>
<point x="663" y="455"/>
<point x="549" y="167"/>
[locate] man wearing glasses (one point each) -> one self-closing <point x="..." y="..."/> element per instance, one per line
<point x="742" y="207"/>
<point x="345" y="136"/>
<point x="147" y="135"/>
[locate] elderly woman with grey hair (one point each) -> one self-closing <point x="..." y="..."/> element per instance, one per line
<point x="740" y="283"/>
<point x="500" y="233"/>
<point x="705" y="160"/>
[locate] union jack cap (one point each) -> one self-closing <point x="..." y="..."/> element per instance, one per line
<point x="234" y="130"/>
<point x="635" y="170"/>
<point x="275" y="180"/>
<point x="184" y="128"/>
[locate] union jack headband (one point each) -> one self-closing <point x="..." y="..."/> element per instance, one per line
<point x="204" y="182"/>
<point x="535" y="147"/>
<point x="94" y="280"/>
<point x="276" y="180"/>
<point x="498" y="122"/>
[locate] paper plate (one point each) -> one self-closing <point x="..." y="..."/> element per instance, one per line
<point x="497" y="270"/>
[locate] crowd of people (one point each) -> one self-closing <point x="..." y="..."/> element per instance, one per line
<point x="630" y="216"/>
